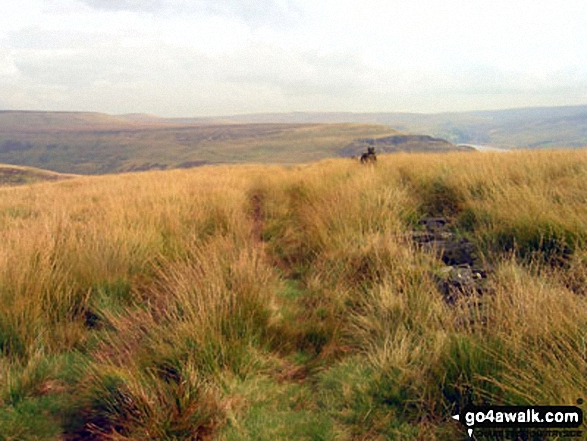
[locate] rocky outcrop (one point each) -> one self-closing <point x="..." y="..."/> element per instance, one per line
<point x="464" y="273"/>
<point x="401" y="143"/>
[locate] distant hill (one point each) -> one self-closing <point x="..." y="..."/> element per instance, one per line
<point x="540" y="127"/>
<point x="35" y="122"/>
<point x="16" y="175"/>
<point x="94" y="143"/>
<point x="401" y="143"/>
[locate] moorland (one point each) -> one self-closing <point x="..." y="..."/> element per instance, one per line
<point x="265" y="302"/>
<point x="532" y="128"/>
<point x="95" y="143"/>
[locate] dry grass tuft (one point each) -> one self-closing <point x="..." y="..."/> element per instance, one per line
<point x="259" y="302"/>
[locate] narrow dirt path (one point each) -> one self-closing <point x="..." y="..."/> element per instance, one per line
<point x="290" y="402"/>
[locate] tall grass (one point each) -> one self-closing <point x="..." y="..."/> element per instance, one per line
<point x="253" y="302"/>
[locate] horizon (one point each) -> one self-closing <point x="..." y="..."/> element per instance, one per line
<point x="207" y="58"/>
<point x="306" y="112"/>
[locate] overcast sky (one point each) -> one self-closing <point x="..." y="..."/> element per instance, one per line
<point x="222" y="57"/>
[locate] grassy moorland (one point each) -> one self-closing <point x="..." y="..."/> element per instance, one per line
<point x="268" y="302"/>
<point x="534" y="127"/>
<point x="16" y="175"/>
<point x="93" y="143"/>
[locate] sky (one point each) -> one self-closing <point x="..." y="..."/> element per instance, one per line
<point x="224" y="57"/>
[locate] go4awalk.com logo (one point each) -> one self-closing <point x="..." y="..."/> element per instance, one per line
<point x="542" y="421"/>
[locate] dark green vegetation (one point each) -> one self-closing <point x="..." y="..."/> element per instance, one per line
<point x="517" y="128"/>
<point x="15" y="175"/>
<point x="92" y="143"/>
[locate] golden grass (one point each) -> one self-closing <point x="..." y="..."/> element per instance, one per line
<point x="169" y="295"/>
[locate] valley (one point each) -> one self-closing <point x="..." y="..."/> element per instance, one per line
<point x="100" y="144"/>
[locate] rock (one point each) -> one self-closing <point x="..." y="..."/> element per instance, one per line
<point x="451" y="251"/>
<point x="426" y="237"/>
<point x="461" y="276"/>
<point x="464" y="273"/>
<point x="456" y="281"/>
<point x="459" y="252"/>
<point x="434" y="223"/>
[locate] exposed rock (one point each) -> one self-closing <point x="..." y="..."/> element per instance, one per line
<point x="456" y="281"/>
<point x="427" y="237"/>
<point x="434" y="223"/>
<point x="458" y="252"/>
<point x="465" y="273"/>
<point x="452" y="250"/>
<point x="402" y="143"/>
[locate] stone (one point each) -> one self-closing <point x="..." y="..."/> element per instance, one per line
<point x="425" y="237"/>
<point x="459" y="252"/>
<point x="434" y="223"/>
<point x="456" y="281"/>
<point x="465" y="273"/>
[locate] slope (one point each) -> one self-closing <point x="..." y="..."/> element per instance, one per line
<point x="538" y="127"/>
<point x="257" y="302"/>
<point x="89" y="143"/>
<point x="17" y="175"/>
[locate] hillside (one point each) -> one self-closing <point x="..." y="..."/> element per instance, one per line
<point x="401" y="143"/>
<point x="541" y="127"/>
<point x="16" y="175"/>
<point x="41" y="122"/>
<point x="329" y="300"/>
<point x="90" y="143"/>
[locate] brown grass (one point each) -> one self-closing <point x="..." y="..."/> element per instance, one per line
<point x="156" y="301"/>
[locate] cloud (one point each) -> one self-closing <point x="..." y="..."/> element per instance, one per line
<point x="112" y="63"/>
<point x="259" y="12"/>
<point x="295" y="72"/>
<point x="7" y="64"/>
<point x="126" y="5"/>
<point x="254" y="13"/>
<point x="228" y="56"/>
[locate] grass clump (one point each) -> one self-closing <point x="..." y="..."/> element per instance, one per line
<point x="131" y="405"/>
<point x="261" y="302"/>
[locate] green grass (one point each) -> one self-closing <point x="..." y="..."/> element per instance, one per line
<point x="276" y="410"/>
<point x="269" y="302"/>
